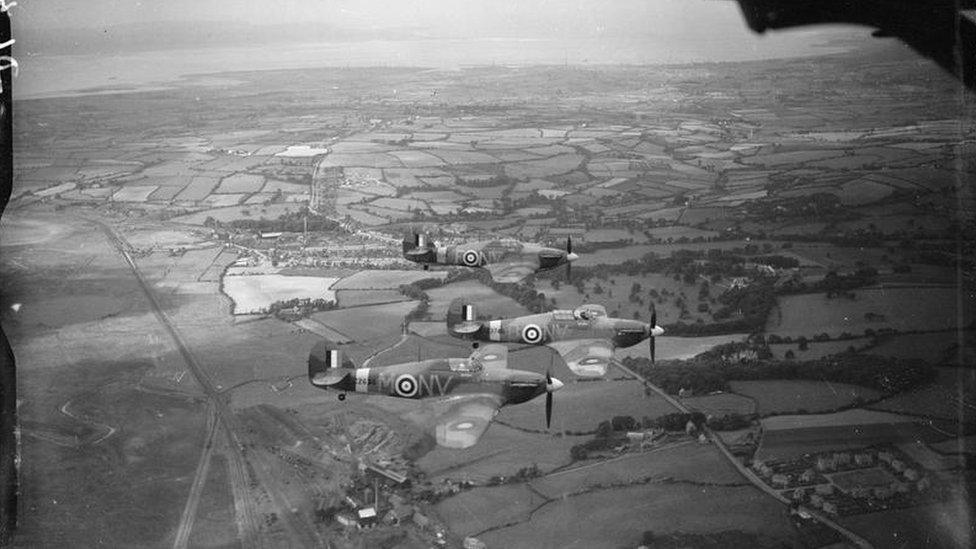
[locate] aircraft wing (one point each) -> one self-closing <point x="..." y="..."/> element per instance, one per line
<point x="493" y="356"/>
<point x="585" y="357"/>
<point x="510" y="272"/>
<point x="464" y="419"/>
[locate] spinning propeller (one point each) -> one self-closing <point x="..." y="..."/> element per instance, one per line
<point x="570" y="257"/>
<point x="552" y="385"/>
<point x="653" y="325"/>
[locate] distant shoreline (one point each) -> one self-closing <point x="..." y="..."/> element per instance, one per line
<point x="55" y="76"/>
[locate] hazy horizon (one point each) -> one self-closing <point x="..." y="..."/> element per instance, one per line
<point x="64" y="48"/>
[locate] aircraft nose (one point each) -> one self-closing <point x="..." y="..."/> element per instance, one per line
<point x="571" y="257"/>
<point x="652" y="331"/>
<point x="554" y="385"/>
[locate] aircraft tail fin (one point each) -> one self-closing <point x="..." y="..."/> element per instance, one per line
<point x="462" y="319"/>
<point x="416" y="242"/>
<point x="327" y="364"/>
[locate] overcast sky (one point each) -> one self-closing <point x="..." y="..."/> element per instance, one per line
<point x="478" y="18"/>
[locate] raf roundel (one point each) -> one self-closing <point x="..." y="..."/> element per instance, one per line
<point x="470" y="258"/>
<point x="406" y="386"/>
<point x="531" y="334"/>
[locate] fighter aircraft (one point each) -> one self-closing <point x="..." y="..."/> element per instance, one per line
<point x="585" y="337"/>
<point x="507" y="260"/>
<point x="470" y="390"/>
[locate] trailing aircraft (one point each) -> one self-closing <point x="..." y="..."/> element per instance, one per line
<point x="585" y="337"/>
<point x="507" y="260"/>
<point x="467" y="391"/>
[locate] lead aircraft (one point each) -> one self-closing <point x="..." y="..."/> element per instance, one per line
<point x="507" y="260"/>
<point x="469" y="390"/>
<point x="585" y="337"/>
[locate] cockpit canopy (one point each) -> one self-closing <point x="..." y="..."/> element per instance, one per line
<point x="589" y="312"/>
<point x="463" y="365"/>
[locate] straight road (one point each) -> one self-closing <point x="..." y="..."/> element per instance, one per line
<point x="248" y="525"/>
<point x="745" y="471"/>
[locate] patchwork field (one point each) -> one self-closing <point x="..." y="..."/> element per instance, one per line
<point x="254" y="293"/>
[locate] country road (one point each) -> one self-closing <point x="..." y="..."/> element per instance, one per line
<point x="241" y="481"/>
<point x="743" y="470"/>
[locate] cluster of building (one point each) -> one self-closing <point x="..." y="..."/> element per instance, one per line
<point x="848" y="483"/>
<point x="386" y="503"/>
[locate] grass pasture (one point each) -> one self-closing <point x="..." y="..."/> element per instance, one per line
<point x="501" y="451"/>
<point x="580" y="406"/>
<point x="721" y="404"/>
<point x="555" y="165"/>
<point x="937" y="525"/>
<point x="480" y="509"/>
<point x="618" y="517"/>
<point x="487" y="302"/>
<point x="200" y="186"/>
<point x="875" y="476"/>
<point x="818" y="349"/>
<point x="358" y="298"/>
<point x="683" y="461"/>
<point x="225" y="215"/>
<point x="931" y="347"/>
<point x="787" y="436"/>
<point x="254" y="293"/>
<point x="240" y="183"/>
<point x="899" y="308"/>
<point x="223" y="200"/>
<point x="384" y="280"/>
<point x="951" y="398"/>
<point x="678" y="348"/>
<point x="792" y="396"/>
<point x="365" y="323"/>
<point x="134" y="193"/>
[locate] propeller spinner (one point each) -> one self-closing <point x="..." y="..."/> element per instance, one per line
<point x="653" y="327"/>
<point x="552" y="385"/>
<point x="570" y="257"/>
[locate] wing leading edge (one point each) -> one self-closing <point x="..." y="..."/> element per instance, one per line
<point x="465" y="420"/>
<point x="585" y="357"/>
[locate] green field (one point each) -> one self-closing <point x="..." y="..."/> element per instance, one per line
<point x="950" y="397"/>
<point x="899" y="308"/>
<point x="938" y="525"/>
<point x="684" y="461"/>
<point x="254" y="293"/>
<point x="618" y="517"/>
<point x="370" y="322"/>
<point x="384" y="280"/>
<point x="791" y="396"/>
<point x="482" y="508"/>
<point x="500" y="451"/>
<point x="580" y="406"/>
<point x="932" y="347"/>
<point x="721" y="404"/>
<point x="819" y="349"/>
<point x="487" y="302"/>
